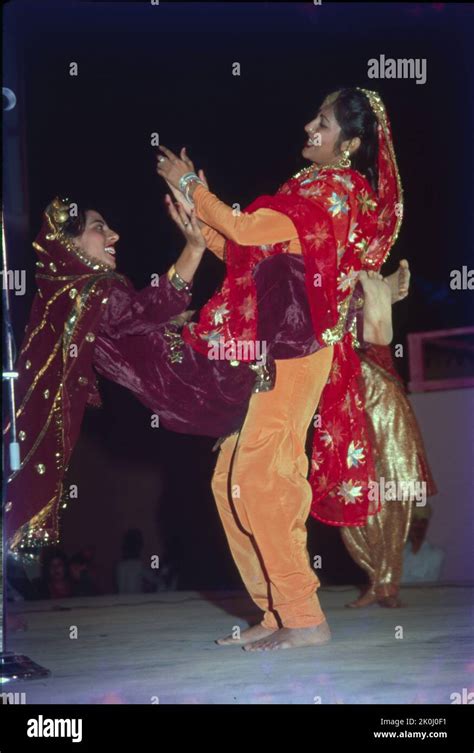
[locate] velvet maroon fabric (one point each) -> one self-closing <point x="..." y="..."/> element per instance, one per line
<point x="199" y="395"/>
<point x="196" y="396"/>
<point x="284" y="315"/>
<point x="56" y="377"/>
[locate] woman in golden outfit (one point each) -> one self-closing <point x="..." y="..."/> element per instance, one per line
<point x="401" y="462"/>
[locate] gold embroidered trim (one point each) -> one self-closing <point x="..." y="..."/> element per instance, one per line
<point x="45" y="318"/>
<point x="335" y="334"/>
<point x="380" y="112"/>
<point x="175" y="342"/>
<point x="40" y="435"/>
<point x="38" y="376"/>
<point x="23" y="536"/>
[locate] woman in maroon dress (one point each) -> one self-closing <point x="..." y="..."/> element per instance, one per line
<point x="79" y="299"/>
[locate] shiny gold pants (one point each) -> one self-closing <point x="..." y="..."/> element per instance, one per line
<point x="263" y="496"/>
<point x="378" y="546"/>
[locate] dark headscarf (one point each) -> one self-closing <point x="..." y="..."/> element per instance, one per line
<point x="56" y="379"/>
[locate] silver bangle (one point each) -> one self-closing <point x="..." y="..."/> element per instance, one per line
<point x="188" y="198"/>
<point x="177" y="281"/>
<point x="183" y="181"/>
<point x="184" y="185"/>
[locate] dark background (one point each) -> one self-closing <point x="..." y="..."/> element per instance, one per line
<point x="168" y="69"/>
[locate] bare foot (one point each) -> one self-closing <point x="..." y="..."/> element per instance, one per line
<point x="365" y="600"/>
<point x="399" y="281"/>
<point x="377" y="308"/>
<point x="392" y="602"/>
<point x="253" y="633"/>
<point x="293" y="638"/>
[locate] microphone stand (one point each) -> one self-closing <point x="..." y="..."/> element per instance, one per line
<point x="12" y="666"/>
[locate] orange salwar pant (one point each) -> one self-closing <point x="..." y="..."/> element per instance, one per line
<point x="263" y="496"/>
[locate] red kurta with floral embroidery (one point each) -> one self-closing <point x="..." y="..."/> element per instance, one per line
<point x="343" y="227"/>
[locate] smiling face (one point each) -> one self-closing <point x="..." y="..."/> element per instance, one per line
<point x="324" y="132"/>
<point x="97" y="241"/>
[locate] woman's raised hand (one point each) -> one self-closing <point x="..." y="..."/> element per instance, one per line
<point x="187" y="160"/>
<point x="188" y="225"/>
<point x="181" y="199"/>
<point x="184" y="156"/>
<point x="171" y="167"/>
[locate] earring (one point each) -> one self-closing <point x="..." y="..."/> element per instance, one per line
<point x="345" y="160"/>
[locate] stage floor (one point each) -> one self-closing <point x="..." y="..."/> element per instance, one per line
<point x="159" y="648"/>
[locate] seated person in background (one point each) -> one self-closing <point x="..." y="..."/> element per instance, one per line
<point x="132" y="575"/>
<point x="55" y="581"/>
<point x="82" y="580"/>
<point x="421" y="560"/>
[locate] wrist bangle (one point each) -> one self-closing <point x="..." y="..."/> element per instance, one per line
<point x="177" y="281"/>
<point x="184" y="183"/>
<point x="188" y="198"/>
<point x="184" y="179"/>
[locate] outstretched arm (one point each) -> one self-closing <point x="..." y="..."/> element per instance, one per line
<point x="132" y="312"/>
<point x="191" y="255"/>
<point x="215" y="242"/>
<point x="264" y="226"/>
<point x="136" y="313"/>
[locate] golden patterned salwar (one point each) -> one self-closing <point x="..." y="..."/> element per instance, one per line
<point x="377" y="547"/>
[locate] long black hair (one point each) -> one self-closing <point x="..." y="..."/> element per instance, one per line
<point x="356" y="118"/>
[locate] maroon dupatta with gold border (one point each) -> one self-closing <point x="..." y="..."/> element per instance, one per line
<point x="56" y="378"/>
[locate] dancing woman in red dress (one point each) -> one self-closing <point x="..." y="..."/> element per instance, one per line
<point x="342" y="214"/>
